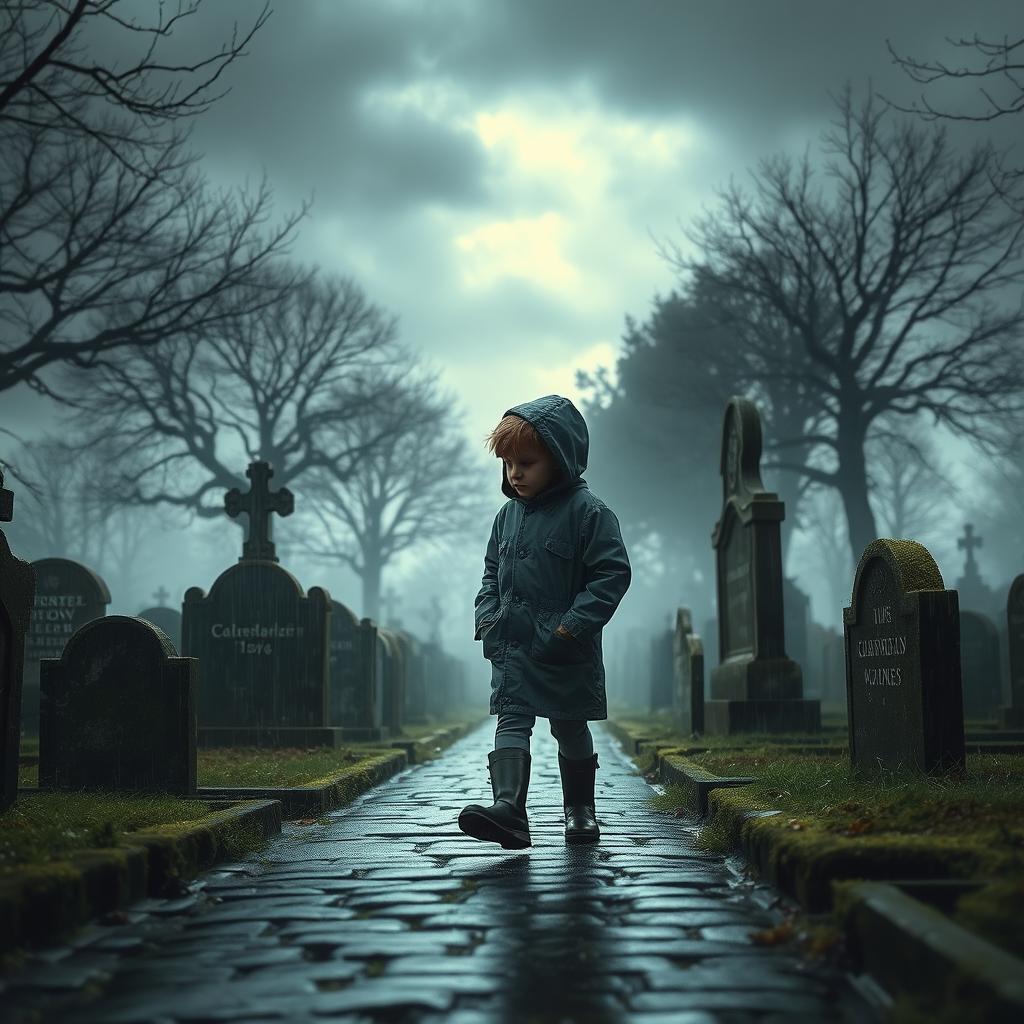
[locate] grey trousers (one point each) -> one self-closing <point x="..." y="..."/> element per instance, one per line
<point x="573" y="735"/>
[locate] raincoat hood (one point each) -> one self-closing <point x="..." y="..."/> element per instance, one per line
<point x="562" y="428"/>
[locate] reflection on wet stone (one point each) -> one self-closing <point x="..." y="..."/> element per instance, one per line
<point x="388" y="913"/>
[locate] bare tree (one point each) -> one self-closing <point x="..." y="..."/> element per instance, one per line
<point x="891" y="280"/>
<point x="910" y="493"/>
<point x="417" y="489"/>
<point x="273" y="381"/>
<point x="997" y="67"/>
<point x="109" y="235"/>
<point x="51" y="82"/>
<point x="69" y="509"/>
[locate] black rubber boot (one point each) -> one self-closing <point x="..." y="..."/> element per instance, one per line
<point x="505" y="820"/>
<point x="578" y="799"/>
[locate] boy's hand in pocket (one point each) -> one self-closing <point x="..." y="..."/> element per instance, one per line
<point x="563" y="632"/>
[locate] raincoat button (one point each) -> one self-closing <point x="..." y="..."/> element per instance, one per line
<point x="523" y="553"/>
<point x="515" y="643"/>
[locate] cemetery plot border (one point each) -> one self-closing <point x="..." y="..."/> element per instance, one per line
<point x="42" y="903"/>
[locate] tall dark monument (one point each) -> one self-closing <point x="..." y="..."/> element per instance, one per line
<point x="1012" y="715"/>
<point x="262" y="643"/>
<point x="755" y="687"/>
<point x="17" y="590"/>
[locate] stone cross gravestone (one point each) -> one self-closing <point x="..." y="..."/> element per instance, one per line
<point x="357" y="695"/>
<point x="980" y="672"/>
<point x="17" y="589"/>
<point x="258" y="503"/>
<point x="167" y="620"/>
<point x="68" y="595"/>
<point x="755" y="687"/>
<point x="1012" y="716"/>
<point x="118" y="712"/>
<point x="905" y="708"/>
<point x="261" y="642"/>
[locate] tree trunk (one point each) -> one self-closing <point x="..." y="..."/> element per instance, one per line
<point x="853" y="486"/>
<point x="371" y="585"/>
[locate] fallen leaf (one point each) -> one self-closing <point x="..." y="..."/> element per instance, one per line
<point x="859" y="827"/>
<point x="306" y="821"/>
<point x="795" y="825"/>
<point x="773" y="936"/>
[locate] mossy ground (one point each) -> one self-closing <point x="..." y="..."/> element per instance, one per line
<point x="47" y="827"/>
<point x="261" y="766"/>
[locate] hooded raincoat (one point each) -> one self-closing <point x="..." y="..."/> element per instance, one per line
<point x="554" y="559"/>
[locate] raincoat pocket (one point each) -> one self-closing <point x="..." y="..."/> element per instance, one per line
<point x="551" y="649"/>
<point x="491" y="636"/>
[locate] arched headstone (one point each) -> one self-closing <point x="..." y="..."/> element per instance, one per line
<point x="902" y="636"/>
<point x="17" y="589"/>
<point x="68" y="595"/>
<point x="1012" y="716"/>
<point x="756" y="686"/>
<point x="118" y="711"/>
<point x="979" y="665"/>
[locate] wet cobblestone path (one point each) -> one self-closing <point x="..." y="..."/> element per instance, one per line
<point x="387" y="912"/>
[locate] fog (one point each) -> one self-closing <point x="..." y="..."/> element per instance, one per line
<point x="501" y="177"/>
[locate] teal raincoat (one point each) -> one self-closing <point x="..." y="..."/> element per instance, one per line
<point x="557" y="558"/>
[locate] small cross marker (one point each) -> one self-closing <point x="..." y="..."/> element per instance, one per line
<point x="258" y="503"/>
<point x="161" y="596"/>
<point x="968" y="542"/>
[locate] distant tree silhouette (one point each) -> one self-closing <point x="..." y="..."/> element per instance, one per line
<point x="415" y="486"/>
<point x="281" y="382"/>
<point x="889" y="274"/>
<point x="109" y="235"/>
<point x="997" y="67"/>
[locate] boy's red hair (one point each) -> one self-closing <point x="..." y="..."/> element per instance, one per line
<point x="513" y="436"/>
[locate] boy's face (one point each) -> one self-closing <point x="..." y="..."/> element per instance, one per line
<point x="530" y="471"/>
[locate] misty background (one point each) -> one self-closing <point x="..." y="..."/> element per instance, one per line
<point x="443" y="209"/>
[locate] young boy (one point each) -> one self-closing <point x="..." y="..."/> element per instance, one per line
<point x="554" y="572"/>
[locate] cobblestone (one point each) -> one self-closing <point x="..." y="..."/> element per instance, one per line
<point x="385" y="912"/>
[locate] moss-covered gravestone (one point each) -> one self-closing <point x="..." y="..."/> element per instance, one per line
<point x="17" y="588"/>
<point x="167" y="620"/>
<point x="980" y="671"/>
<point x="68" y="595"/>
<point x="357" y="694"/>
<point x="902" y="636"/>
<point x="261" y="642"/>
<point x="118" y="712"/>
<point x="756" y="687"/>
<point x="1012" y="716"/>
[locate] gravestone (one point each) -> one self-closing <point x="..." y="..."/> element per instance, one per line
<point x="974" y="592"/>
<point x="756" y="686"/>
<point x="979" y="666"/>
<point x="902" y="632"/>
<point x="710" y="634"/>
<point x="357" y="694"/>
<point x="167" y="620"/>
<point x="391" y="671"/>
<point x="662" y="671"/>
<point x="262" y="644"/>
<point x="1012" y="716"/>
<point x="68" y="595"/>
<point x="833" y="673"/>
<point x="414" y="710"/>
<point x="118" y="712"/>
<point x="796" y="607"/>
<point x="688" y="662"/>
<point x="17" y="589"/>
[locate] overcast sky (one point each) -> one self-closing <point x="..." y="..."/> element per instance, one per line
<point x="496" y="172"/>
<point x="493" y="171"/>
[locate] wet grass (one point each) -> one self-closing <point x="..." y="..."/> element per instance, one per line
<point x="47" y="827"/>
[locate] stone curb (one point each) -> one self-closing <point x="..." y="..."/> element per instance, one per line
<point x="312" y="801"/>
<point x="41" y="903"/>
<point x="696" y="782"/>
<point x="418" y="751"/>
<point x="908" y="946"/>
